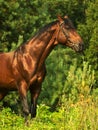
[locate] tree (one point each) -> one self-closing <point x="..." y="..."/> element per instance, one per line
<point x="89" y="32"/>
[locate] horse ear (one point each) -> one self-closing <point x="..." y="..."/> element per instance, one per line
<point x="60" y="19"/>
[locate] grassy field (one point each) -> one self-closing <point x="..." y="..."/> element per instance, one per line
<point x="82" y="115"/>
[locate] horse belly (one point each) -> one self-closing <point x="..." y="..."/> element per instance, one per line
<point x="8" y="84"/>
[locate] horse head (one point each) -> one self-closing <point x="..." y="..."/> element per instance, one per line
<point x="67" y="34"/>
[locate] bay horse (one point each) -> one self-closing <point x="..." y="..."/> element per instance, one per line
<point x="24" y="69"/>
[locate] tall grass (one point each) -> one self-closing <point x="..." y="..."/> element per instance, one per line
<point x="82" y="115"/>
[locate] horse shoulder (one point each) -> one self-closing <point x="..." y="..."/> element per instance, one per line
<point x="29" y="63"/>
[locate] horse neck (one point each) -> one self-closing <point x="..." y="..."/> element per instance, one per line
<point x="44" y="43"/>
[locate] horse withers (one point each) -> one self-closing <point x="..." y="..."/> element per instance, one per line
<point x="24" y="69"/>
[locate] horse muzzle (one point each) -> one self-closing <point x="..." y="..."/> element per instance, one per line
<point x="78" y="47"/>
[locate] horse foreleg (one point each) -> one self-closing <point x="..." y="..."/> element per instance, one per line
<point x="35" y="91"/>
<point x="23" y="97"/>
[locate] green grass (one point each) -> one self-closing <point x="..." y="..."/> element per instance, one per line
<point x="83" y="115"/>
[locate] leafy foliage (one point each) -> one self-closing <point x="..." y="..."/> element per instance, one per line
<point x="69" y="82"/>
<point x="89" y="31"/>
